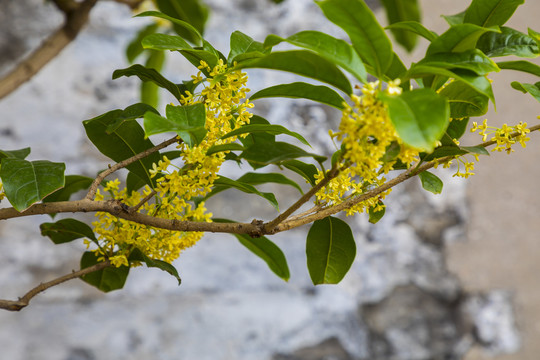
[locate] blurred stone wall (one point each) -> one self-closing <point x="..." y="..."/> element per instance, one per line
<point x="399" y="300"/>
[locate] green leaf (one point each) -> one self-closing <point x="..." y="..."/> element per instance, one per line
<point x="189" y="32"/>
<point x="26" y="182"/>
<point x="133" y="182"/>
<point x="195" y="56"/>
<point x="476" y="150"/>
<point x="164" y="42"/>
<point x="520" y="65"/>
<point x="431" y="182"/>
<point x="147" y="74"/>
<point x="265" y="153"/>
<point x="446" y="150"/>
<point x="72" y="184"/>
<point x="192" y="11"/>
<point x="187" y="121"/>
<point x="508" y="42"/>
<point x="464" y="100"/>
<point x="533" y="89"/>
<point x="491" y="12"/>
<point x="307" y="171"/>
<point x="473" y="60"/>
<point x="366" y="34"/>
<point x="134" y="48"/>
<point x="243" y="44"/>
<point x="302" y="90"/>
<point x="254" y="138"/>
<point x="138" y="255"/>
<point x="419" y="116"/>
<point x="458" y="38"/>
<point x="107" y="279"/>
<point x="224" y="147"/>
<point x="67" y="230"/>
<point x="302" y="62"/>
<point x="396" y="70"/>
<point x="269" y="129"/>
<point x="334" y="50"/>
<point x="414" y="27"/>
<point x="132" y="112"/>
<point x="264" y="178"/>
<point x="14" y="154"/>
<point x="330" y="250"/>
<point x="402" y="10"/>
<point x="455" y="19"/>
<point x="126" y="141"/>
<point x="457" y="128"/>
<point x="223" y="183"/>
<point x="375" y="216"/>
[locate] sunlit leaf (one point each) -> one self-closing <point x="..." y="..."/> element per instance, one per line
<point x="402" y="10"/>
<point x="458" y="38"/>
<point x="508" y="42"/>
<point x="431" y="182"/>
<point x="491" y="12"/>
<point x="302" y="90"/>
<point x="269" y="129"/>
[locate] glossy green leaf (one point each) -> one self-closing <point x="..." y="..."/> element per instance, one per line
<point x="164" y="42"/>
<point x="330" y="250"/>
<point x="473" y="60"/>
<point x="187" y="121"/>
<point x="72" y="184"/>
<point x="366" y="34"/>
<point x="191" y="32"/>
<point x="458" y="38"/>
<point x="520" y="65"/>
<point x="508" y="42"/>
<point x="26" y="182"/>
<point x="476" y="150"/>
<point x="67" y="230"/>
<point x="223" y="183"/>
<point x="133" y="182"/>
<point x="126" y="141"/>
<point x="138" y="255"/>
<point x="224" y="147"/>
<point x="464" y="100"/>
<point x="242" y="44"/>
<point x="302" y="90"/>
<point x="148" y="74"/>
<point x="376" y="215"/>
<point x="419" y="116"/>
<point x="108" y="279"/>
<point x="398" y="11"/>
<point x="195" y="12"/>
<point x="533" y="89"/>
<point x="414" y="27"/>
<point x="302" y="62"/>
<point x="265" y="178"/>
<point x="132" y="112"/>
<point x="307" y="171"/>
<point x="455" y="19"/>
<point x="269" y="129"/>
<point x="265" y="153"/>
<point x="491" y="12"/>
<point x="15" y="154"/>
<point x="431" y="182"/>
<point x="134" y="48"/>
<point x="334" y="50"/>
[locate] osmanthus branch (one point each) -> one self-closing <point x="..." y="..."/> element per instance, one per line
<point x="76" y="17"/>
<point x="122" y="164"/>
<point x="17" y="305"/>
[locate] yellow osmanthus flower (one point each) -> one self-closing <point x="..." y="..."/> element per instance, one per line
<point x="368" y="139"/>
<point x="505" y="136"/>
<point x="224" y="97"/>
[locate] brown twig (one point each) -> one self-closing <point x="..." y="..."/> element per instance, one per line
<point x="51" y="47"/>
<point x="122" y="164"/>
<point x="147" y="198"/>
<point x="17" y="305"/>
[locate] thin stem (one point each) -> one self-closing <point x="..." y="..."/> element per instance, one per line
<point x="142" y="202"/>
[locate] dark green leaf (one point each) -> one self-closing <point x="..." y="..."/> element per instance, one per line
<point x="473" y="60"/>
<point x="533" y="89"/>
<point x="334" y="50"/>
<point x="303" y="90"/>
<point x="133" y="182"/>
<point x="73" y="184"/>
<point x="108" y="279"/>
<point x="126" y="141"/>
<point x="223" y="183"/>
<point x="444" y="151"/>
<point x="147" y="74"/>
<point x="187" y="121"/>
<point x="458" y="38"/>
<point x="476" y="150"/>
<point x="264" y="153"/>
<point x="491" y="12"/>
<point x="132" y="112"/>
<point x="26" y="182"/>
<point x="302" y="62"/>
<point x="366" y="34"/>
<point x="138" y="255"/>
<point x="165" y="42"/>
<point x="464" y="100"/>
<point x="254" y="138"/>
<point x="431" y="182"/>
<point x="457" y="128"/>
<point x="307" y="171"/>
<point x="242" y="44"/>
<point x="520" y="65"/>
<point x="14" y="154"/>
<point x="375" y="216"/>
<point x="330" y="250"/>
<point x="135" y="48"/>
<point x="195" y="56"/>
<point x="415" y="27"/>
<point x="191" y="33"/>
<point x="264" y="178"/>
<point x="398" y="11"/>
<point x="67" y="230"/>
<point x="419" y="116"/>
<point x="508" y="42"/>
<point x="224" y="147"/>
<point x="269" y="129"/>
<point x="192" y="11"/>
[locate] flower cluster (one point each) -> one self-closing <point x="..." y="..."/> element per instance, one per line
<point x="371" y="148"/>
<point x="178" y="188"/>
<point x="505" y="136"/>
